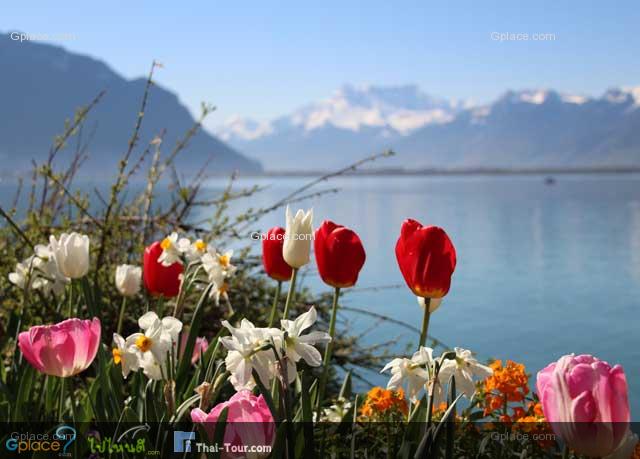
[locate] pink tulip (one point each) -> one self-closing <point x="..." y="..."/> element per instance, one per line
<point x="249" y="423"/>
<point x="199" y="347"/>
<point x="586" y="402"/>
<point x="63" y="349"/>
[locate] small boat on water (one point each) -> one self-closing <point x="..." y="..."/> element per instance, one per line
<point x="549" y="181"/>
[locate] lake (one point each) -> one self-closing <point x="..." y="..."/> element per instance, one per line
<point x="543" y="270"/>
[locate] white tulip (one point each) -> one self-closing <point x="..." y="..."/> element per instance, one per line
<point x="128" y="279"/>
<point x="298" y="237"/>
<point x="71" y="252"/>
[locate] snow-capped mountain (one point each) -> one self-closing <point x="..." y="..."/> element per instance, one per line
<point x="397" y="109"/>
<point x="537" y="128"/>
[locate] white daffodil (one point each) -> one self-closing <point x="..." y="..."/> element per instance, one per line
<point x="125" y="356"/>
<point x="171" y="327"/>
<point x="411" y="372"/>
<point x="464" y="368"/>
<point x="151" y="367"/>
<point x="48" y="276"/>
<point x="128" y="279"/>
<point x="39" y="272"/>
<point x="297" y="239"/>
<point x="298" y="346"/>
<point x="71" y="252"/>
<point x="245" y="355"/>
<point x="22" y="276"/>
<point x="154" y="340"/>
<point x="196" y="250"/>
<point x="172" y="249"/>
<point x="218" y="268"/>
<point x="433" y="304"/>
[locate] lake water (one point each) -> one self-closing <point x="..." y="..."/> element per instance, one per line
<point x="542" y="270"/>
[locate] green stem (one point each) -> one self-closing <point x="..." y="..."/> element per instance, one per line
<point x="274" y="306"/>
<point x="565" y="452"/>
<point x="425" y="322"/>
<point x="61" y="405"/>
<point x="70" y="312"/>
<point x="328" y="350"/>
<point x="121" y="315"/>
<point x="290" y="294"/>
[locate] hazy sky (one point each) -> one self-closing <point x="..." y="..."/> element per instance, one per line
<point x="263" y="59"/>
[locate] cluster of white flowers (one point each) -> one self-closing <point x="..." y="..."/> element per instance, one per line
<point x="251" y="348"/>
<point x="336" y="412"/>
<point x="419" y="372"/>
<point x="148" y="349"/>
<point x="52" y="266"/>
<point x="216" y="265"/>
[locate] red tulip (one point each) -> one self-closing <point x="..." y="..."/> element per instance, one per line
<point x="272" y="258"/>
<point x="339" y="254"/>
<point x="158" y="279"/>
<point x="427" y="259"/>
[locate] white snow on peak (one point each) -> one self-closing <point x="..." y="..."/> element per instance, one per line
<point x="399" y="109"/>
<point x="243" y="128"/>
<point x="541" y="96"/>
<point x="534" y="97"/>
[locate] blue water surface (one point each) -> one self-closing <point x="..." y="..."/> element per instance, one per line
<point x="543" y="270"/>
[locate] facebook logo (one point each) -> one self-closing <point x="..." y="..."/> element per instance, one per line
<point x="182" y="441"/>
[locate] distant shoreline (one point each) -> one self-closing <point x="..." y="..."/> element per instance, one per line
<point x="458" y="171"/>
<point x="416" y="172"/>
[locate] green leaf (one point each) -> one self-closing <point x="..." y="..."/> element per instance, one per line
<point x="307" y="417"/>
<point x="450" y="419"/>
<point x="194" y="329"/>
<point x="266" y="394"/>
<point x="221" y="424"/>
<point x="345" y="390"/>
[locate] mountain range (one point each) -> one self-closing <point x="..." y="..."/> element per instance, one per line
<point x="521" y="129"/>
<point x="42" y="85"/>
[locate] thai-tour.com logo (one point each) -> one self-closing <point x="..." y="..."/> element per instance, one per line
<point x="28" y="442"/>
<point x="185" y="442"/>
<point x="182" y="441"/>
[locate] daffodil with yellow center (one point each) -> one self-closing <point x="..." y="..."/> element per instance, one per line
<point x="125" y="355"/>
<point x="144" y="343"/>
<point x="154" y="341"/>
<point x="225" y="259"/>
<point x="172" y="249"/>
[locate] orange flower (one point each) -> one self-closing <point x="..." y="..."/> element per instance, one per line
<point x="510" y="380"/>
<point x="380" y="401"/>
<point x="519" y="412"/>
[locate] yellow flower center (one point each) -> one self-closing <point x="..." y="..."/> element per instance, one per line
<point x="166" y="243"/>
<point x="200" y="245"/>
<point x="117" y="356"/>
<point x="144" y="343"/>
<point x="224" y="260"/>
